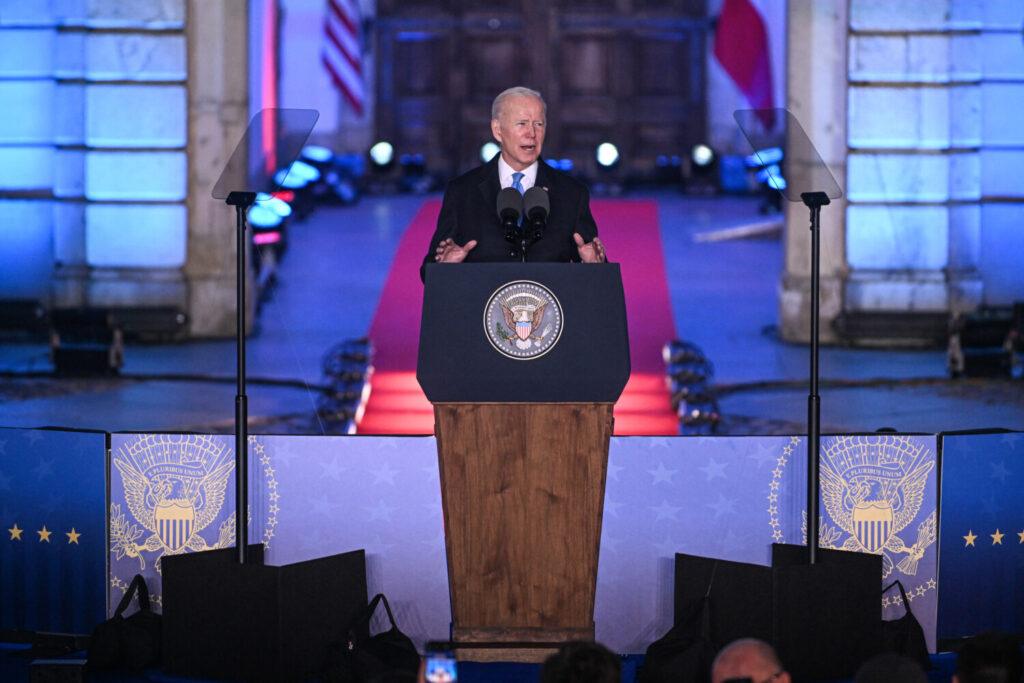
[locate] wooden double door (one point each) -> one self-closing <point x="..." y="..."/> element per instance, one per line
<point x="630" y="72"/>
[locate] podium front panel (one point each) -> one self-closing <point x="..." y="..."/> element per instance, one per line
<point x="578" y="352"/>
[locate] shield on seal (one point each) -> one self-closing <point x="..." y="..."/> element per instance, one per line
<point x="872" y="523"/>
<point x="523" y="330"/>
<point x="175" y="521"/>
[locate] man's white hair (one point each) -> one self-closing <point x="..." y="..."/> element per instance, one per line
<point x="517" y="91"/>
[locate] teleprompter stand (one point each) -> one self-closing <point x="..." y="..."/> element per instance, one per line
<point x="522" y="448"/>
<point x="227" y="615"/>
<point x="819" y="608"/>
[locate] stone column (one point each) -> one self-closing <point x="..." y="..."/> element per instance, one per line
<point x="218" y="114"/>
<point x="816" y="95"/>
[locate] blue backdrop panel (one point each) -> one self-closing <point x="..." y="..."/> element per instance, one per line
<point x="52" y="554"/>
<point x="720" y="497"/>
<point x="981" y="550"/>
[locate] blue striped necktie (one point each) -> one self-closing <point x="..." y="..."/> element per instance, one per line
<point x="516" y="177"/>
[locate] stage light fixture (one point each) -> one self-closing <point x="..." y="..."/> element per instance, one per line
<point x="607" y="155"/>
<point x="85" y="341"/>
<point x="668" y="169"/>
<point x="382" y="154"/>
<point x="488" y="150"/>
<point x="702" y="156"/>
<point x="317" y="154"/>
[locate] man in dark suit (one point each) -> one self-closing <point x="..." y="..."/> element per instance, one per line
<point x="468" y="227"/>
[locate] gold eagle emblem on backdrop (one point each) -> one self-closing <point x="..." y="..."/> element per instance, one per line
<point x="873" y="490"/>
<point x="174" y="492"/>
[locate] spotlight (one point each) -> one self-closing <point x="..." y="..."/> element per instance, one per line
<point x="986" y="342"/>
<point x="703" y="170"/>
<point x="668" y="169"/>
<point x="488" y="150"/>
<point x="85" y="341"/>
<point x="702" y="156"/>
<point x="414" y="174"/>
<point x="607" y="155"/>
<point x="347" y="367"/>
<point x="382" y="154"/>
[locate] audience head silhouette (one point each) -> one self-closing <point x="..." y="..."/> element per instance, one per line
<point x="989" y="657"/>
<point x="890" y="667"/>
<point x="751" y="659"/>
<point x="581" y="662"/>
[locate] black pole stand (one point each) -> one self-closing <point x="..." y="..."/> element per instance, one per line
<point x="814" y="201"/>
<point x="241" y="201"/>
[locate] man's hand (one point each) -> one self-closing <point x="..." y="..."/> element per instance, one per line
<point x="590" y="252"/>
<point x="449" y="252"/>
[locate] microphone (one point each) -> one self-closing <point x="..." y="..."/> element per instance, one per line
<point x="538" y="205"/>
<point x="510" y="208"/>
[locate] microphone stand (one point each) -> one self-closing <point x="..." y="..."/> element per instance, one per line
<point x="241" y="201"/>
<point x="814" y="201"/>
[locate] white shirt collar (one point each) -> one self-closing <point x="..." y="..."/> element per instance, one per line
<point x="505" y="172"/>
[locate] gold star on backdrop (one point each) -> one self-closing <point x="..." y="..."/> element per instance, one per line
<point x="44" y="535"/>
<point x="997" y="537"/>
<point x="16" y="533"/>
<point x="969" y="538"/>
<point x="1021" y="534"/>
<point x="72" y="536"/>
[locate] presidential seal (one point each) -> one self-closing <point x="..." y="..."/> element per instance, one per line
<point x="523" y="320"/>
<point x="873" y="489"/>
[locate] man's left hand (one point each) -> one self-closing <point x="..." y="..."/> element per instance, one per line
<point x="590" y="252"/>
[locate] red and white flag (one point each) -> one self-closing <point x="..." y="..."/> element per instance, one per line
<point x="741" y="47"/>
<point x="343" y="53"/>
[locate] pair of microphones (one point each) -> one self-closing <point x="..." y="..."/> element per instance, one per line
<point x="534" y="204"/>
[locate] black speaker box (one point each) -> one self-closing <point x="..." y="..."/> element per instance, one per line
<point x="824" y="619"/>
<point x="233" y="622"/>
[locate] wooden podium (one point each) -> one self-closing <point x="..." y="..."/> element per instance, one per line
<point x="522" y="444"/>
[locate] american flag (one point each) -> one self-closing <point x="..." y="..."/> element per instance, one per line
<point x="342" y="54"/>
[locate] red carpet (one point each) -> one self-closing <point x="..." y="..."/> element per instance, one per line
<point x="629" y="229"/>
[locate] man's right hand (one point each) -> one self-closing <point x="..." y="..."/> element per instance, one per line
<point x="449" y="252"/>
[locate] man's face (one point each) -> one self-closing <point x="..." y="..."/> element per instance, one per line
<point x="519" y="129"/>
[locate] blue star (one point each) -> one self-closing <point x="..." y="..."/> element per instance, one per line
<point x="609" y="544"/>
<point x="332" y="468"/>
<point x="714" y="469"/>
<point x="668" y="547"/>
<point x="384" y="474"/>
<point x="43" y="469"/>
<point x="991" y="506"/>
<point x="283" y="455"/>
<point x="613" y="471"/>
<point x="722" y="506"/>
<point x="658" y="441"/>
<point x="611" y="508"/>
<point x="662" y="474"/>
<point x="764" y="454"/>
<point x="665" y="511"/>
<point x="380" y="511"/>
<point x="999" y="471"/>
<point x="322" y="505"/>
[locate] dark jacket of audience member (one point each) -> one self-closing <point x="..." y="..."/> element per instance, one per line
<point x="581" y="662"/>
<point x="989" y="657"/>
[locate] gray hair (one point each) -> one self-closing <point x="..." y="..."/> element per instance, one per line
<point x="517" y="91"/>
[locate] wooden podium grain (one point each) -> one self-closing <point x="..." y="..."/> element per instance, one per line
<point x="523" y="495"/>
<point x="523" y="453"/>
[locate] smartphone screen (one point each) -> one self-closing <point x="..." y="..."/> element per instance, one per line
<point x="441" y="667"/>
